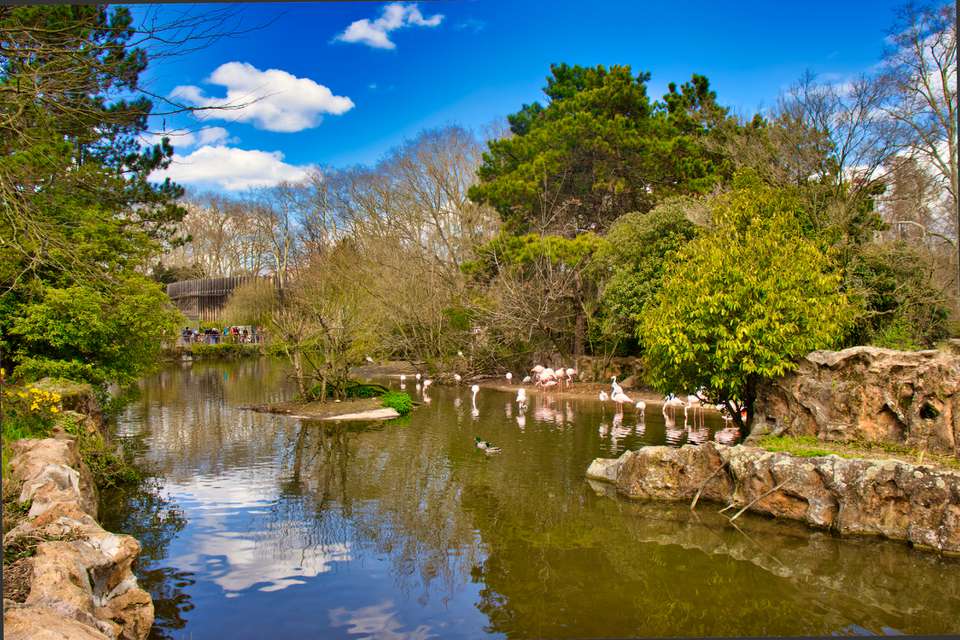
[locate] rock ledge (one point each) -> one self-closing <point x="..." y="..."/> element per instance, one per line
<point x="82" y="584"/>
<point x="886" y="498"/>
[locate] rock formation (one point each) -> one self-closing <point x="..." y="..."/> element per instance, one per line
<point x="82" y="585"/>
<point x="886" y="498"/>
<point x="868" y="394"/>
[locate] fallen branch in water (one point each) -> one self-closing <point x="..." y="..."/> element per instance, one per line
<point x="756" y="500"/>
<point x="693" y="505"/>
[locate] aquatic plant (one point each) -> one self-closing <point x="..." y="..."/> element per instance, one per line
<point x="397" y="400"/>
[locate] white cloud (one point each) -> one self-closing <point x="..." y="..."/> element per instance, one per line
<point x="231" y="168"/>
<point x="273" y="99"/>
<point x="213" y="135"/>
<point x="395" y="16"/>
<point x="185" y="138"/>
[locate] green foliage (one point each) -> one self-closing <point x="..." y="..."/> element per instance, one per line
<point x="110" y="466"/>
<point x="82" y="216"/>
<point x="521" y="254"/>
<point x="903" y="309"/>
<point x="743" y="301"/>
<point x="224" y="350"/>
<point x="632" y="259"/>
<point x="85" y="333"/>
<point x="351" y="390"/>
<point x="364" y="390"/>
<point x="397" y="400"/>
<point x="599" y="149"/>
<point x="28" y="412"/>
<point x="251" y="304"/>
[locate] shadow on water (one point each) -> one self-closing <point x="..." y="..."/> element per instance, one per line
<point x="270" y="526"/>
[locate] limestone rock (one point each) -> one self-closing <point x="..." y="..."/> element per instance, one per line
<point x="604" y="469"/>
<point x="886" y="498"/>
<point x="40" y="623"/>
<point x="868" y="394"/>
<point x="82" y="574"/>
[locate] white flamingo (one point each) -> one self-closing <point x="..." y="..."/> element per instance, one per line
<point x="418" y="376"/>
<point x="522" y="398"/>
<point x="474" y="390"/>
<point x="547" y="375"/>
<point x="672" y="402"/>
<point x="642" y="408"/>
<point x="537" y="371"/>
<point x="620" y="397"/>
<point x="527" y="380"/>
<point x="603" y="396"/>
<point x="693" y="402"/>
<point x="509" y="377"/>
<point x="457" y="378"/>
<point x="614" y="386"/>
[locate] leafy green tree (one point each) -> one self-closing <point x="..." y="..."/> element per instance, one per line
<point x="599" y="149"/>
<point x="632" y="259"/>
<point x="80" y="215"/>
<point x="743" y="301"/>
<point x="84" y="333"/>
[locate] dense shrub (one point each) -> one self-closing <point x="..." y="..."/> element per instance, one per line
<point x="224" y="350"/>
<point x="397" y="400"/>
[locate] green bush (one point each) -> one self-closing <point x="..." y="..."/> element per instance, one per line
<point x="225" y="350"/>
<point x="89" y="334"/>
<point x="109" y="465"/>
<point x="397" y="400"/>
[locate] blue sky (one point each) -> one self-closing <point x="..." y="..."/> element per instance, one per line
<point x="340" y="101"/>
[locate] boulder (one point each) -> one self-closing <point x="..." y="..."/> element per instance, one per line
<point x="868" y="394"/>
<point x="886" y="498"/>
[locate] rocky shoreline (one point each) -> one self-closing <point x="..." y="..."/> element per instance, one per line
<point x="886" y="498"/>
<point x="79" y="579"/>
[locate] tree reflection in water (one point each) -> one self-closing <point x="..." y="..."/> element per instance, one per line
<point x="142" y="512"/>
<point x="404" y="529"/>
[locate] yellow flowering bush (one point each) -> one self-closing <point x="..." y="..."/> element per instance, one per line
<point x="29" y="412"/>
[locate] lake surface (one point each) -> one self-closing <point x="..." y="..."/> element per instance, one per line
<point x="264" y="526"/>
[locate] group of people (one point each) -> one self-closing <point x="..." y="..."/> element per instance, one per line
<point x="237" y="335"/>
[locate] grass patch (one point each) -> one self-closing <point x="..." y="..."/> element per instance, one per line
<point x="800" y="446"/>
<point x="397" y="400"/>
<point x="810" y="446"/>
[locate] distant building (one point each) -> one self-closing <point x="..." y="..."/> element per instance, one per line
<point x="203" y="300"/>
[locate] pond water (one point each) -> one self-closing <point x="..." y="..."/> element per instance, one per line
<point x="264" y="526"/>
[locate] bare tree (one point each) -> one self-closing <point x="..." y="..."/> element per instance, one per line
<point x="413" y="226"/>
<point x="919" y="78"/>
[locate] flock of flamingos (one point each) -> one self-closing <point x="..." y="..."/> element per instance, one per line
<point x="547" y="379"/>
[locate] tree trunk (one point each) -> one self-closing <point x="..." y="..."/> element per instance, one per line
<point x="750" y="397"/>
<point x="298" y="372"/>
